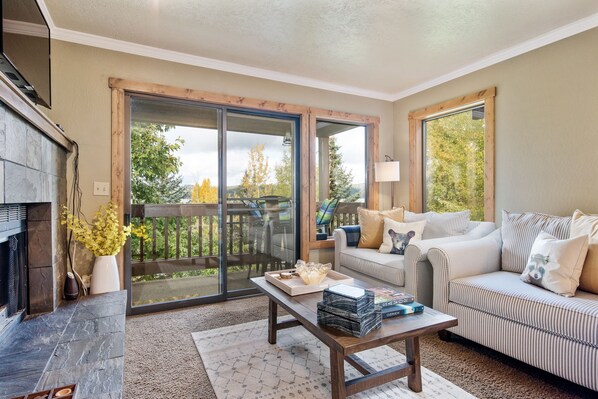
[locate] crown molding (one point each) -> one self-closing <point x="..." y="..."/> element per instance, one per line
<point x="555" y="35"/>
<point x="188" y="59"/>
<point x="46" y="13"/>
<point x="25" y="28"/>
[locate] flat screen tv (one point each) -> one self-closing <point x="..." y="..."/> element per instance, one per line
<point x="25" y="49"/>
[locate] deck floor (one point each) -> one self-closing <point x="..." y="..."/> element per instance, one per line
<point x="170" y="289"/>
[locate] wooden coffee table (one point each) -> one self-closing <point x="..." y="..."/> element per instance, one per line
<point x="343" y="347"/>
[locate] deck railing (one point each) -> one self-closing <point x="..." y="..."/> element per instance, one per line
<point x="186" y="236"/>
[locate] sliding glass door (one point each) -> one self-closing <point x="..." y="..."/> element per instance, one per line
<point x="215" y="188"/>
<point x="260" y="160"/>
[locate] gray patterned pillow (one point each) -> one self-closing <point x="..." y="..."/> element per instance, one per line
<point x="519" y="231"/>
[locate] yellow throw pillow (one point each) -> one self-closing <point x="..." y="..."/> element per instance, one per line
<point x="371" y="223"/>
<point x="583" y="224"/>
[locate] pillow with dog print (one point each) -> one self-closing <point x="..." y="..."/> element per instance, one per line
<point x="556" y="264"/>
<point x="397" y="235"/>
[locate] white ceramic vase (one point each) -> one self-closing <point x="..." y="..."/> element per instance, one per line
<point x="105" y="275"/>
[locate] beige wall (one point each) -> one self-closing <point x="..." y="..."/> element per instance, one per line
<point x="546" y="126"/>
<point x="81" y="101"/>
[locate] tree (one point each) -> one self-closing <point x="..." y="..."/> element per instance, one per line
<point x="155" y="165"/>
<point x="455" y="164"/>
<point x="341" y="180"/>
<point x="254" y="182"/>
<point x="283" y="174"/>
<point x="204" y="193"/>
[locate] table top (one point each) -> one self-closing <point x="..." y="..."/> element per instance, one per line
<point x="304" y="308"/>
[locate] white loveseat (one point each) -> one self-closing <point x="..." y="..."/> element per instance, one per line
<point x="479" y="282"/>
<point x="410" y="272"/>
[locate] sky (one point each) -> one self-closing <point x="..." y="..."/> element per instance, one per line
<point x="199" y="153"/>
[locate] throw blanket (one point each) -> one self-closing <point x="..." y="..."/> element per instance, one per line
<point x="353" y="233"/>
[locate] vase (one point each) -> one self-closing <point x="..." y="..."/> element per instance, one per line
<point x="105" y="275"/>
<point x="71" y="289"/>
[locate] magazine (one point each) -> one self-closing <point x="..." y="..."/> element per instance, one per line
<point x="401" y="309"/>
<point x="385" y="296"/>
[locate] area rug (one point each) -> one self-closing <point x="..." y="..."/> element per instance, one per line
<point x="240" y="363"/>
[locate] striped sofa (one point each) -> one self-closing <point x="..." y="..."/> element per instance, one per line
<point x="411" y="272"/>
<point x="478" y="282"/>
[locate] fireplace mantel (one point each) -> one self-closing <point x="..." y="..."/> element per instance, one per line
<point x="18" y="102"/>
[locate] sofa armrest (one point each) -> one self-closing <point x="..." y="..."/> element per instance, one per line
<point x="417" y="266"/>
<point x="461" y="259"/>
<point x="340" y="243"/>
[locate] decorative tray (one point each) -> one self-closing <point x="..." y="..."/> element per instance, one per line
<point x="296" y="286"/>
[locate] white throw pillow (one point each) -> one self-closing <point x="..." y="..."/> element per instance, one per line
<point x="441" y="224"/>
<point x="397" y="235"/>
<point x="556" y="264"/>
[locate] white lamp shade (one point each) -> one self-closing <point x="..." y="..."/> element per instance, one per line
<point x="387" y="171"/>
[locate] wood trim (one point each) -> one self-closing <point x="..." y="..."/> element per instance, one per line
<point x="329" y="243"/>
<point x="489" y="149"/>
<point x="118" y="165"/>
<point x="454" y="103"/>
<point x="305" y="182"/>
<point x="416" y="119"/>
<point x="18" y="102"/>
<point x="198" y="95"/>
<point x="372" y="131"/>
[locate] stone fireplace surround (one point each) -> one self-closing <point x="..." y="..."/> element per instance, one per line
<point x="33" y="173"/>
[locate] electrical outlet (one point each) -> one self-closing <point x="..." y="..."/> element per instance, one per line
<point x="101" y="188"/>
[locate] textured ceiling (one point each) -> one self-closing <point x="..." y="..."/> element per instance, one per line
<point x="381" y="46"/>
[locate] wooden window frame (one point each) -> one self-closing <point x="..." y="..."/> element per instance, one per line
<point x="371" y="123"/>
<point x="307" y="211"/>
<point x="416" y="155"/>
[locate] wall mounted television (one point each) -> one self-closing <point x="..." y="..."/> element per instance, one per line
<point x="25" y="49"/>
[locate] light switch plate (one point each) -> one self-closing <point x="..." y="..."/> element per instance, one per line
<point x="101" y="188"/>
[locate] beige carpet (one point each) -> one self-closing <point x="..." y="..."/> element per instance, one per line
<point x="161" y="359"/>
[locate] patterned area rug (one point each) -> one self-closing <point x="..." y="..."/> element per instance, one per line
<point x="242" y="364"/>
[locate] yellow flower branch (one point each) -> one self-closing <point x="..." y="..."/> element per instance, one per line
<point x="104" y="236"/>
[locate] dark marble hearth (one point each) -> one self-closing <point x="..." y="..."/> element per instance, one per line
<point x="81" y="342"/>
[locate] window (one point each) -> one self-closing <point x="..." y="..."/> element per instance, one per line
<point x="452" y="150"/>
<point x="345" y="150"/>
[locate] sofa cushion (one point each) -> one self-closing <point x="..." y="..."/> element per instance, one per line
<point x="587" y="224"/>
<point x="503" y="294"/>
<point x="386" y="267"/>
<point x="398" y="235"/>
<point x="371" y="223"/>
<point x="440" y="225"/>
<point x="556" y="264"/>
<point x="519" y="231"/>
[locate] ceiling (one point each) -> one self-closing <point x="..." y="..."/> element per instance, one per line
<point x="385" y="49"/>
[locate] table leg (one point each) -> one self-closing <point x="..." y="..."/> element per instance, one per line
<point x="272" y="321"/>
<point x="337" y="375"/>
<point x="414" y="381"/>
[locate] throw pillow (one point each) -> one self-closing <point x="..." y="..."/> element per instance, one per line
<point x="397" y="235"/>
<point x="556" y="264"/>
<point x="371" y="223"/>
<point x="441" y="224"/>
<point x="583" y="224"/>
<point x="519" y="230"/>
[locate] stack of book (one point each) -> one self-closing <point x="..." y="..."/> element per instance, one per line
<point x="349" y="309"/>
<point x="395" y="303"/>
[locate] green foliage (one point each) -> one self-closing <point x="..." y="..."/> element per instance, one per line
<point x="254" y="182"/>
<point x="154" y="165"/>
<point x="283" y="174"/>
<point x="341" y="180"/>
<point x="455" y="164"/>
